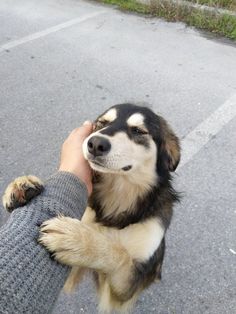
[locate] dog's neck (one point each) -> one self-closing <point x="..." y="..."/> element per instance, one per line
<point x="119" y="193"/>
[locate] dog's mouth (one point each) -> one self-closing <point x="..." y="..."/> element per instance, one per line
<point x="95" y="162"/>
<point x="99" y="166"/>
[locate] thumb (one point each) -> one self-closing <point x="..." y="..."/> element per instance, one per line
<point x="85" y="130"/>
<point x="88" y="127"/>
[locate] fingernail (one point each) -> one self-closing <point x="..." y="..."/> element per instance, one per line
<point x="87" y="122"/>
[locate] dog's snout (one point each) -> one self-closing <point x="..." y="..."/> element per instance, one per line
<point x="98" y="146"/>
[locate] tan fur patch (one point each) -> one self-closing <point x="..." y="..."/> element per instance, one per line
<point x="140" y="240"/>
<point x="75" y="276"/>
<point x="137" y="119"/>
<point x="110" y="115"/>
<point x="120" y="193"/>
<point x="16" y="191"/>
<point x="171" y="145"/>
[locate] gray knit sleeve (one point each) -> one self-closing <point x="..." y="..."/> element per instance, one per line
<point x="30" y="280"/>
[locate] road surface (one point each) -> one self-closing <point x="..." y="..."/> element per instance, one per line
<point x="62" y="62"/>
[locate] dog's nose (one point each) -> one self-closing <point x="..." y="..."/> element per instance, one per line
<point x="98" y="146"/>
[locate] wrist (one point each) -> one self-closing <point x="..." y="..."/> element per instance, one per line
<point x="83" y="176"/>
<point x="69" y="170"/>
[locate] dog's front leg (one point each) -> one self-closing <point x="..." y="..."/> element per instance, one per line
<point x="20" y="191"/>
<point x="76" y="244"/>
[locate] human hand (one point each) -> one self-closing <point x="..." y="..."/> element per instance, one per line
<point x="72" y="158"/>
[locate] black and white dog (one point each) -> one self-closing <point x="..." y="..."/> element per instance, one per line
<point x="121" y="236"/>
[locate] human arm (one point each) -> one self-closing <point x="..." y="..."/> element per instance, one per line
<point x="30" y="279"/>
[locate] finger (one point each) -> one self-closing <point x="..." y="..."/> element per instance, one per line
<point x="87" y="122"/>
<point x="84" y="130"/>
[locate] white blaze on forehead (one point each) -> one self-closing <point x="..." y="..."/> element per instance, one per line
<point x="110" y="115"/>
<point x="136" y="119"/>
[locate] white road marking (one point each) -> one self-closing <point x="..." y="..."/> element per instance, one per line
<point x="196" y="139"/>
<point x="232" y="251"/>
<point x="203" y="133"/>
<point x="50" y="30"/>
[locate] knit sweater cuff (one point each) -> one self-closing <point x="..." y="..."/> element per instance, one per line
<point x="64" y="194"/>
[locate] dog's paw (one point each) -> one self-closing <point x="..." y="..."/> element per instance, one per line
<point x="61" y="236"/>
<point x="21" y="191"/>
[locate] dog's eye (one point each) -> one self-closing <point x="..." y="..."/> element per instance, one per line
<point x="100" y="124"/>
<point x="137" y="131"/>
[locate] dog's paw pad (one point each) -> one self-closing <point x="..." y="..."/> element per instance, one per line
<point x="21" y="191"/>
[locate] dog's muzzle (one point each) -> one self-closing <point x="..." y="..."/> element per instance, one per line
<point x="96" y="151"/>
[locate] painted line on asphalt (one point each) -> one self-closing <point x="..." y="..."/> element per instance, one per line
<point x="203" y="133"/>
<point x="48" y="31"/>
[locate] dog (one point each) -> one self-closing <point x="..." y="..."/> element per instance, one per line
<point x="121" y="236"/>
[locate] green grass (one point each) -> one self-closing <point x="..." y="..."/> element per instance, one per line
<point x="130" y="5"/>
<point x="224" y="4"/>
<point x="222" y="24"/>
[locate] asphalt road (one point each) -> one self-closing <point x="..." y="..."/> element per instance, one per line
<point x="54" y="78"/>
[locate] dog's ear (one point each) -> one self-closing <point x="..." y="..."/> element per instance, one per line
<point x="170" y="146"/>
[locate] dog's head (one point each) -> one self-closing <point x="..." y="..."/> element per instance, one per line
<point x="128" y="139"/>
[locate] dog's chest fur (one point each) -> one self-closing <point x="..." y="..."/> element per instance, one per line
<point x="140" y="239"/>
<point x="119" y="200"/>
<point x="116" y="195"/>
<point x="114" y="211"/>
